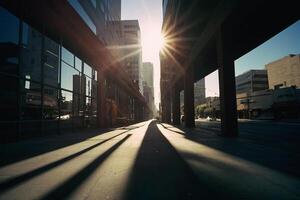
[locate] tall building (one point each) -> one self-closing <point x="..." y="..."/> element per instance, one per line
<point x="132" y="51"/>
<point x="284" y="72"/>
<point x="199" y="92"/>
<point x="251" y="81"/>
<point x="127" y="48"/>
<point x="147" y="74"/>
<point x="98" y="15"/>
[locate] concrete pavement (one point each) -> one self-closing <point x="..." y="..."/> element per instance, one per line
<point x="148" y="160"/>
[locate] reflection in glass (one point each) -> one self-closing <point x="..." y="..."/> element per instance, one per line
<point x="8" y="98"/>
<point x="94" y="89"/>
<point x="67" y="56"/>
<point x="69" y="77"/>
<point x="78" y="64"/>
<point x="51" y="65"/>
<point x="50" y="101"/>
<point x="77" y="114"/>
<point x="87" y="70"/>
<point x="66" y="106"/>
<point x="30" y="101"/>
<point x="88" y="85"/>
<point x="9" y="25"/>
<point x="31" y="54"/>
<point x="9" y="39"/>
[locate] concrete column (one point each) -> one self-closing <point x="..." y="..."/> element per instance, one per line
<point x="176" y="105"/>
<point x="189" y="110"/>
<point x="165" y="103"/>
<point x="227" y="87"/>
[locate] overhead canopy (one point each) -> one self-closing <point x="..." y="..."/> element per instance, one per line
<point x="244" y="25"/>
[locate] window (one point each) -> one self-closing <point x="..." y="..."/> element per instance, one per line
<point x="31" y="101"/>
<point x="30" y="63"/>
<point x="9" y="40"/>
<point x="9" y="25"/>
<point x="78" y="64"/>
<point x="8" y="98"/>
<point x="50" y="101"/>
<point x="66" y="112"/>
<point x="51" y="68"/>
<point x="88" y="86"/>
<point x="67" y="56"/>
<point x="69" y="78"/>
<point x="87" y="70"/>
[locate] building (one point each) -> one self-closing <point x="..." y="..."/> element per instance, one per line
<point x="127" y="48"/>
<point x="54" y="76"/>
<point x="251" y="81"/>
<point x="284" y="72"/>
<point x="98" y="15"/>
<point x="199" y="92"/>
<point x="132" y="51"/>
<point x="256" y="104"/>
<point x="147" y="73"/>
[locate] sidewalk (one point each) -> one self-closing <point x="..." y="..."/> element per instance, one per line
<point x="144" y="161"/>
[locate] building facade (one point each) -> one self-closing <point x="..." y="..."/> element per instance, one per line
<point x="251" y="81"/>
<point x="199" y="92"/>
<point x="284" y="72"/>
<point x="51" y="81"/>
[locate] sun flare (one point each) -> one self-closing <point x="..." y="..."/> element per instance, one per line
<point x="161" y="42"/>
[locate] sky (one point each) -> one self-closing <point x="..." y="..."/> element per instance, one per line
<point x="149" y="14"/>
<point x="282" y="44"/>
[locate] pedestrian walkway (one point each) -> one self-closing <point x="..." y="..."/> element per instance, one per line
<point x="148" y="160"/>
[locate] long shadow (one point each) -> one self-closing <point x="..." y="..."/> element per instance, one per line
<point x="15" y="152"/>
<point x="273" y="153"/>
<point x="6" y="185"/>
<point x="160" y="173"/>
<point x="63" y="190"/>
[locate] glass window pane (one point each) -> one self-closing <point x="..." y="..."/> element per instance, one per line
<point x="9" y="26"/>
<point x="69" y="77"/>
<point x="77" y="115"/>
<point x="51" y="65"/>
<point x="67" y="56"/>
<point x="78" y="64"/>
<point x="8" y="98"/>
<point x="87" y="70"/>
<point x="31" y="100"/>
<point x="66" y="113"/>
<point x="94" y="89"/>
<point x="96" y="75"/>
<point x="50" y="103"/>
<point x="88" y="85"/>
<point x="30" y="64"/>
<point x="9" y="39"/>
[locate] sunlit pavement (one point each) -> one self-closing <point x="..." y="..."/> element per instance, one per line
<point x="148" y="160"/>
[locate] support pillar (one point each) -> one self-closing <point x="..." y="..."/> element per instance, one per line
<point x="227" y="87"/>
<point x="176" y="105"/>
<point x="189" y="110"/>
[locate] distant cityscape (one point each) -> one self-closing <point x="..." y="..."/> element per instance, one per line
<point x="270" y="93"/>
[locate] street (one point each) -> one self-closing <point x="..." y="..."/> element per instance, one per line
<point x="152" y="160"/>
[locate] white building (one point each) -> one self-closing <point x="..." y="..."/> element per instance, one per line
<point x="251" y="81"/>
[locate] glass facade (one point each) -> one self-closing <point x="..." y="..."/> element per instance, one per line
<point x="44" y="87"/>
